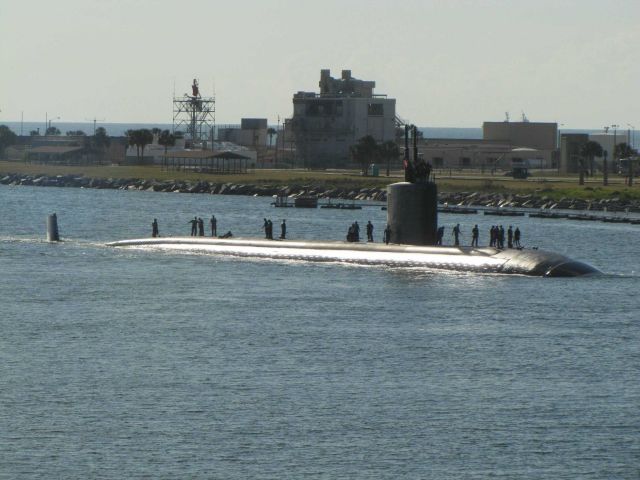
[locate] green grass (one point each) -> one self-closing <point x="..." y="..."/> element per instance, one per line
<point x="552" y="186"/>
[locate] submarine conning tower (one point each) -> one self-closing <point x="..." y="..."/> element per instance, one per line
<point x="412" y="205"/>
<point x="412" y="213"/>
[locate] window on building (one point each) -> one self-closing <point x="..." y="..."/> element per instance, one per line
<point x="323" y="108"/>
<point x="376" y="109"/>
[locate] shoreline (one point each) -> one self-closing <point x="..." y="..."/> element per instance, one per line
<point x="377" y="194"/>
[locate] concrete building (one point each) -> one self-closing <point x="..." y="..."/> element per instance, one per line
<point x="251" y="133"/>
<point x="484" y="155"/>
<point x="607" y="141"/>
<point x="571" y="151"/>
<point x="504" y="144"/>
<point x="325" y="125"/>
<point x="537" y="135"/>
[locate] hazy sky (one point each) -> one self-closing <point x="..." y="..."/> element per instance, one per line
<point x="448" y="63"/>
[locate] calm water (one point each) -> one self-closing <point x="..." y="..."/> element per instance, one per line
<point x="137" y="364"/>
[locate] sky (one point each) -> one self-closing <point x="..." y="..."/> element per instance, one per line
<point x="448" y="63"/>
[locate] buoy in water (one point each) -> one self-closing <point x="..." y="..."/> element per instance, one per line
<point x="53" y="235"/>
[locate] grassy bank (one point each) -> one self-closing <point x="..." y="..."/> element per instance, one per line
<point x="553" y="187"/>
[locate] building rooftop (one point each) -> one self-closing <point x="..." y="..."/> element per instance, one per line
<point x="54" y="149"/>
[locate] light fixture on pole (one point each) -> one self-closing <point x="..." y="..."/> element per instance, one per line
<point x="49" y="123"/>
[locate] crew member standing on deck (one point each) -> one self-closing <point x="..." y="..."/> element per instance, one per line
<point x="154" y="228"/>
<point x="283" y="230"/>
<point x="456" y="235"/>
<point x="200" y="227"/>
<point x="475" y="233"/>
<point x="369" y="231"/>
<point x="214" y="226"/>
<point x="516" y="237"/>
<point x="386" y="237"/>
<point x="194" y="226"/>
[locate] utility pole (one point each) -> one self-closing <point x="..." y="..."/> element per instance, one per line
<point x="277" y="135"/>
<point x="614" y="152"/>
<point x="94" y="120"/>
<point x="605" y="170"/>
<point x="632" y="138"/>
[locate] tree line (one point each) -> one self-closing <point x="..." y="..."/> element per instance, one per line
<point x="592" y="149"/>
<point x="142" y="137"/>
<point x="368" y="151"/>
<point x="97" y="143"/>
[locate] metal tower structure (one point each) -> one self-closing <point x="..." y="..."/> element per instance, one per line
<point x="194" y="115"/>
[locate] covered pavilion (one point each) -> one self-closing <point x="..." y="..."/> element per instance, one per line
<point x="206" y="161"/>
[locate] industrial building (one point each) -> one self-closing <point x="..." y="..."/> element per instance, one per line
<point x="504" y="144"/>
<point x="325" y="125"/>
<point x="252" y="132"/>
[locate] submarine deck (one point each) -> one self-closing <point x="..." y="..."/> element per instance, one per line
<point x="481" y="259"/>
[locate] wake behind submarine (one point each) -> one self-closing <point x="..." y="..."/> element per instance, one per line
<point x="412" y="218"/>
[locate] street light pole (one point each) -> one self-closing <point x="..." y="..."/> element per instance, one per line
<point x="615" y="139"/>
<point x="277" y="135"/>
<point x="605" y="170"/>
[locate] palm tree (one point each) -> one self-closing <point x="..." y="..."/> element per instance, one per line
<point x="271" y="132"/>
<point x="365" y="151"/>
<point x="101" y="141"/>
<point x="590" y="150"/>
<point x="7" y="138"/>
<point x="166" y="139"/>
<point x="140" y="138"/>
<point x="581" y="166"/>
<point x="146" y="137"/>
<point x="389" y="151"/>
<point x="623" y="150"/>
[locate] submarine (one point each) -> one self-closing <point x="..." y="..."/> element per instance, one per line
<point x="464" y="259"/>
<point x="412" y="222"/>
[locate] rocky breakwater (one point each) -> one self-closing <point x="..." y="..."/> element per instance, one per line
<point x="514" y="201"/>
<point x="179" y="186"/>
<point x="476" y="199"/>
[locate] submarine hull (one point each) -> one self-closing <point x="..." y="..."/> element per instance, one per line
<point x="485" y="260"/>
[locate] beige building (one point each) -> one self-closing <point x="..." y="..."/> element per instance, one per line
<point x="325" y="125"/>
<point x="484" y="155"/>
<point x="538" y="135"/>
<point x="503" y="145"/>
<point x="251" y="133"/>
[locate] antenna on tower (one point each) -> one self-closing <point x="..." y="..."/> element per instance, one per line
<point x="94" y="120"/>
<point x="195" y="114"/>
<point x="506" y="116"/>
